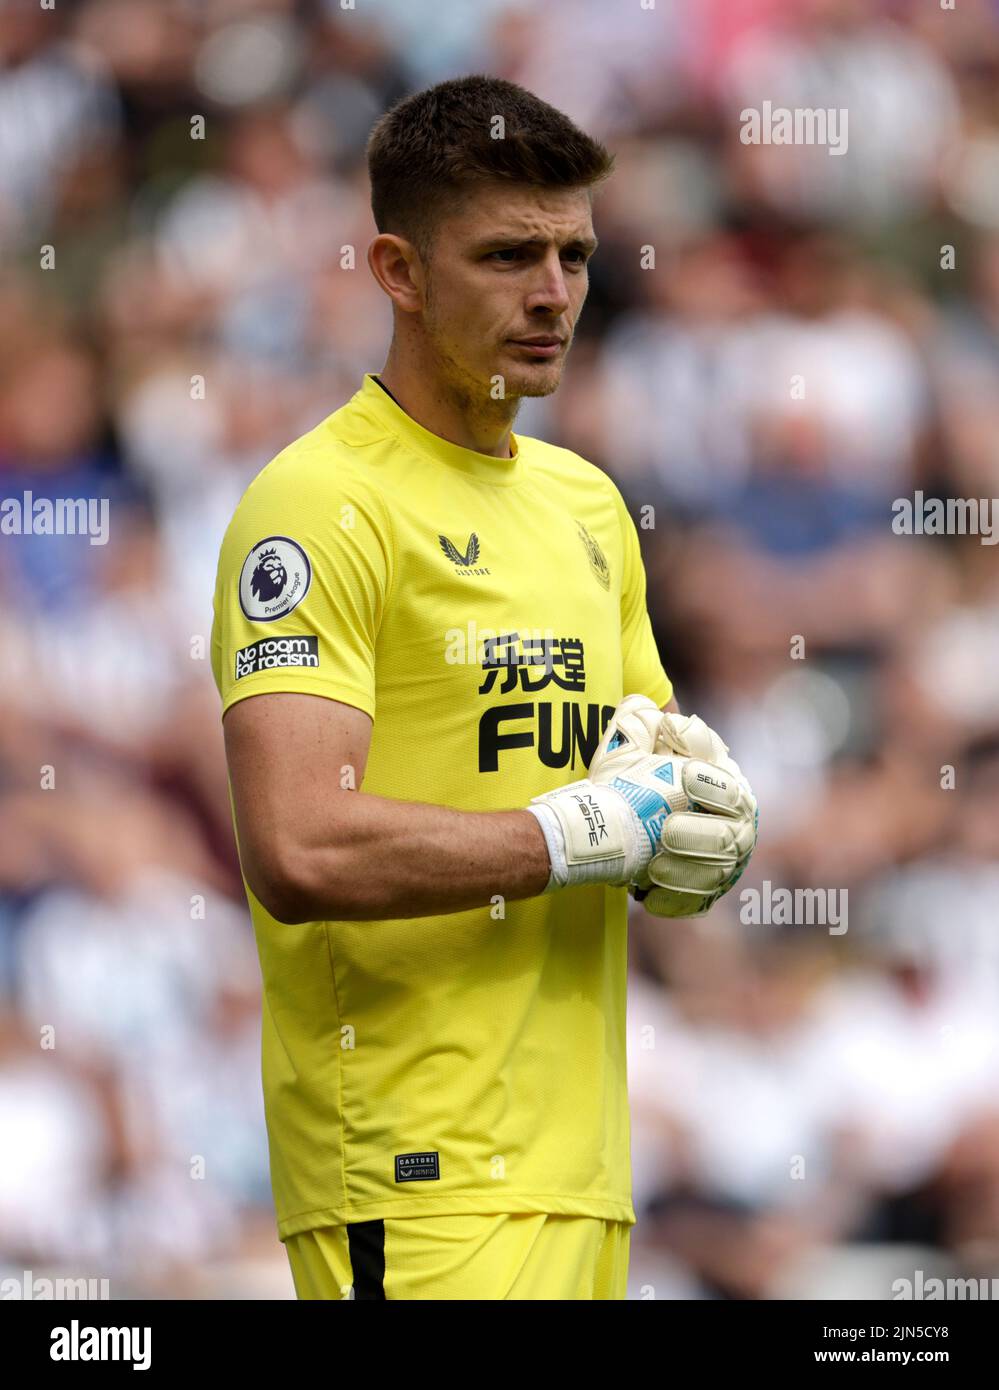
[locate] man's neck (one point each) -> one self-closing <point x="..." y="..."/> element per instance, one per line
<point x="483" y="426"/>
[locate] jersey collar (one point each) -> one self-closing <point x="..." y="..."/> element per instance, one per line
<point x="376" y="400"/>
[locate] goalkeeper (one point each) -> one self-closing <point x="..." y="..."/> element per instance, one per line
<point x="427" y="630"/>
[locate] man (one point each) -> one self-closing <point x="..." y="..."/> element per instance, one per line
<point x="436" y="620"/>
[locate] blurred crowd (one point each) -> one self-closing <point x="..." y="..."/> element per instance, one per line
<point x="778" y="344"/>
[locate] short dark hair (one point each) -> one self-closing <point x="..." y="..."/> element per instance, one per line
<point x="434" y="146"/>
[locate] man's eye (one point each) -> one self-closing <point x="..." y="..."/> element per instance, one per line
<point x="578" y="256"/>
<point x="511" y="251"/>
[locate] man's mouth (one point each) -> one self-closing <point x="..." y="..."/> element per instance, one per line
<point x="541" y="345"/>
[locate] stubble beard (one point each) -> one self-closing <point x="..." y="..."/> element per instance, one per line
<point x="473" y="393"/>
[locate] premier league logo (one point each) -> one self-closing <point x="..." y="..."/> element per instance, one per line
<point x="270" y="576"/>
<point x="275" y="578"/>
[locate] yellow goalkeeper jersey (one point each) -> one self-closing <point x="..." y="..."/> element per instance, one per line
<point x="488" y="614"/>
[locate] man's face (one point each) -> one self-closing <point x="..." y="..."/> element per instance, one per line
<point x="508" y="266"/>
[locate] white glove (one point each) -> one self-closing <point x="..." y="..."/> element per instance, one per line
<point x="607" y="831"/>
<point x="705" y="843"/>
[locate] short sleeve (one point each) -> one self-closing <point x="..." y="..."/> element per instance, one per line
<point x="304" y="573"/>
<point x="642" y="672"/>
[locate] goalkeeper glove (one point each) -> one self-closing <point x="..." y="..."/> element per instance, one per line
<point x="704" y="847"/>
<point x="639" y="818"/>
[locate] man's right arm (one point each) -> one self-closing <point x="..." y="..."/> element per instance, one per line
<point x="312" y="850"/>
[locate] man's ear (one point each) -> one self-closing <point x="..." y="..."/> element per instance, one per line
<point x="395" y="263"/>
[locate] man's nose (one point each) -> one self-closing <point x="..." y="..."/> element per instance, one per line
<point x="549" y="292"/>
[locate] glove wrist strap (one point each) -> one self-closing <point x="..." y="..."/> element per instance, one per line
<point x="589" y="835"/>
